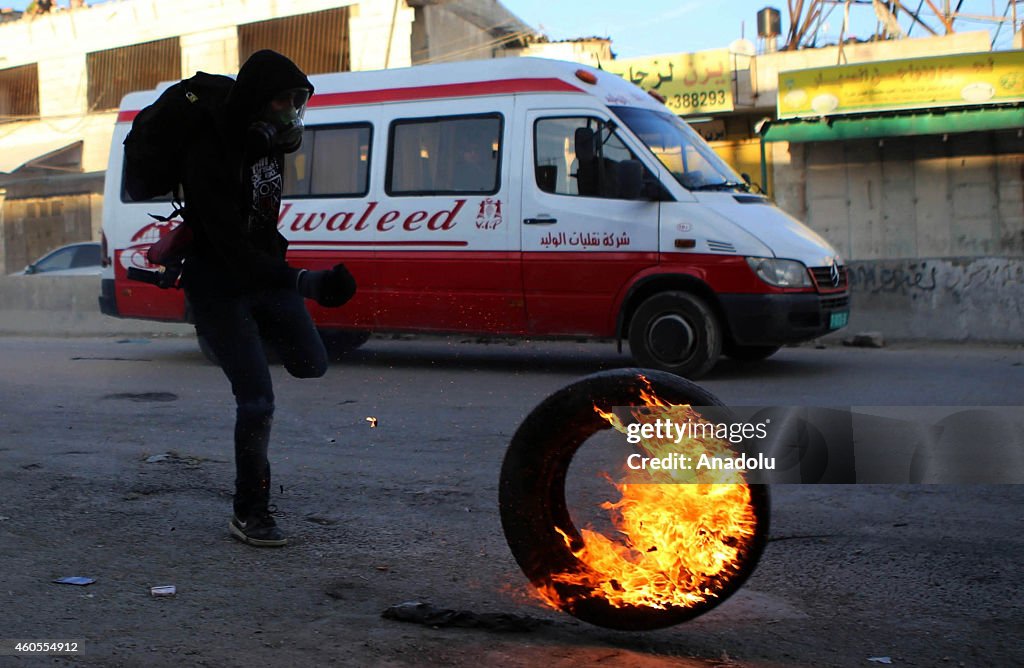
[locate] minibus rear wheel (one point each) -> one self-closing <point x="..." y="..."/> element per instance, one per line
<point x="675" y="332"/>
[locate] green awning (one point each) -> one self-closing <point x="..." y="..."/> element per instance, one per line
<point x="839" y="128"/>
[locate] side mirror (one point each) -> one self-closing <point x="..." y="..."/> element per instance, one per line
<point x="30" y="269"/>
<point x="751" y="186"/>
<point x="631" y="179"/>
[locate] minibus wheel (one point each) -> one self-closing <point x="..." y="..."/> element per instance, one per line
<point x="675" y="332"/>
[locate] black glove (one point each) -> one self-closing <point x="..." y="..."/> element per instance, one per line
<point x="330" y="288"/>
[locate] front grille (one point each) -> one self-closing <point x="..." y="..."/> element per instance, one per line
<point x="823" y="279"/>
<point x="835" y="303"/>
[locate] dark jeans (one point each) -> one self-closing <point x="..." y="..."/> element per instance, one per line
<point x="235" y="329"/>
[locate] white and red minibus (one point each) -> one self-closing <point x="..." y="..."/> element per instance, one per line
<point x="520" y="197"/>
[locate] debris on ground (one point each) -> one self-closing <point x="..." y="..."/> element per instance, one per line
<point x="865" y="340"/>
<point x="417" y="612"/>
<point x="172" y="456"/>
<point x="162" y="590"/>
<point x="880" y="659"/>
<point x="75" y="580"/>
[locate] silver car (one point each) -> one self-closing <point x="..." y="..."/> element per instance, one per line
<point x="78" y="259"/>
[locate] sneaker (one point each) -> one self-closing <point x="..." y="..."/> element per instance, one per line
<point x="257" y="529"/>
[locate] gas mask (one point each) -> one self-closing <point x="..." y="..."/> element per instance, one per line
<point x="278" y="126"/>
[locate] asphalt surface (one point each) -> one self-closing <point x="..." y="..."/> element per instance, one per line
<point x="115" y="464"/>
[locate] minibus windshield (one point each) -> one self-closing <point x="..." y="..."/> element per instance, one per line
<point x="681" y="150"/>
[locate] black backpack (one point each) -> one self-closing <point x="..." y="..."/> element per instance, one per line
<point x="154" y="154"/>
<point x="154" y="149"/>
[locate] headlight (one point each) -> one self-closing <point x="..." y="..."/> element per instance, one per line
<point x="780" y="273"/>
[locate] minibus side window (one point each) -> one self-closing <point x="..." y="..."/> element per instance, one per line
<point x="334" y="161"/>
<point x="297" y="167"/>
<point x="578" y="156"/>
<point x="445" y="155"/>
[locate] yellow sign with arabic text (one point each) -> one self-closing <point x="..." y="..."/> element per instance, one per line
<point x="914" y="83"/>
<point x="692" y="83"/>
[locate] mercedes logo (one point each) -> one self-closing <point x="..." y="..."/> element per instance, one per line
<point x="833" y="273"/>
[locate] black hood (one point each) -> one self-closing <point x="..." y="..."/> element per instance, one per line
<point x="263" y="75"/>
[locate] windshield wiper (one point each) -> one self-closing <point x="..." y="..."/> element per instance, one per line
<point x="724" y="185"/>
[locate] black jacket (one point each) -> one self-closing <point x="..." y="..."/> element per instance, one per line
<point x="230" y="256"/>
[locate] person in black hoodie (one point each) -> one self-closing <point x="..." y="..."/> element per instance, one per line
<point x="240" y="288"/>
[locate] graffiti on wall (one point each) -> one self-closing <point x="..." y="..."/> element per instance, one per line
<point x="905" y="277"/>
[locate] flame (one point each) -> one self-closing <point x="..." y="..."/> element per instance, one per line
<point x="681" y="534"/>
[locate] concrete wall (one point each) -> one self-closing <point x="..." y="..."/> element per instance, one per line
<point x="909" y="197"/>
<point x="67" y="306"/>
<point x="932" y="228"/>
<point x="957" y="299"/>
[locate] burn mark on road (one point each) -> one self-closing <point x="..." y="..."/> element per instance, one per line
<point x="143" y="396"/>
<point x="113" y="359"/>
<point x="776" y="539"/>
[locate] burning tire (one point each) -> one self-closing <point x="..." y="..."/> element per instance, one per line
<point x="556" y="556"/>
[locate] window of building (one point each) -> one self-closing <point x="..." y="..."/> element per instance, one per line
<point x="19" y="92"/>
<point x="450" y="155"/>
<point x="317" y="42"/>
<point x="113" y="73"/>
<point x="333" y="162"/>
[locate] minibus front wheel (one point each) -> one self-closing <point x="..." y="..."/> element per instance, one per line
<point x="675" y="332"/>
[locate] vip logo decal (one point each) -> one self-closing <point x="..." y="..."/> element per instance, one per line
<point x="489" y="215"/>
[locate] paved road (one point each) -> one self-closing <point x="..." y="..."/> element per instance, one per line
<point x="926" y="575"/>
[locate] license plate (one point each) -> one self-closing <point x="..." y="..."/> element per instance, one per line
<point x="837" y="320"/>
